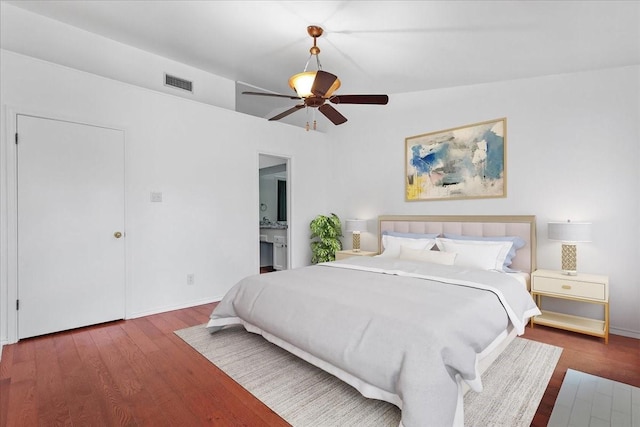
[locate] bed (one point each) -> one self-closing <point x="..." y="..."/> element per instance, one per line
<point x="415" y="325"/>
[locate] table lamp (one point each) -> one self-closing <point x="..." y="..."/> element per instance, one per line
<point x="355" y="226"/>
<point x="569" y="233"/>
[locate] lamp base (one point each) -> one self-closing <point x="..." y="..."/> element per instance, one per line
<point x="356" y="241"/>
<point x="569" y="259"/>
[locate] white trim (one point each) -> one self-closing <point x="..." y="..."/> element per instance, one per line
<point x="174" y="307"/>
<point x="289" y="161"/>
<point x="624" y="332"/>
<point x="10" y="258"/>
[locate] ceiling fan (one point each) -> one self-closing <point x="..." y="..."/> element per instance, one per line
<point x="315" y="88"/>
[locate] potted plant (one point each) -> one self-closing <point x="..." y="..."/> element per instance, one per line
<point x="325" y="233"/>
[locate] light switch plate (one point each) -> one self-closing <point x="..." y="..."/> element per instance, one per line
<point x="156" y="196"/>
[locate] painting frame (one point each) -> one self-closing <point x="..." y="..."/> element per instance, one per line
<point x="465" y="162"/>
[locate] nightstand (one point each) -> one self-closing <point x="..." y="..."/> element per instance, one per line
<point x="589" y="288"/>
<point x="349" y="253"/>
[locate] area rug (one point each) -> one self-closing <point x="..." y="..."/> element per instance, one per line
<point x="588" y="400"/>
<point x="306" y="396"/>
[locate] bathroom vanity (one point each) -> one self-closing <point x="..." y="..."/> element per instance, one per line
<point x="273" y="246"/>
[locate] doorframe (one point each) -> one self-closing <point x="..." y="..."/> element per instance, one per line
<point x="288" y="161"/>
<point x="9" y="244"/>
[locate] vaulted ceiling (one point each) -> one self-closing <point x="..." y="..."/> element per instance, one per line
<point x="373" y="46"/>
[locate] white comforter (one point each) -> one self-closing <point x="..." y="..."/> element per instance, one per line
<point x="404" y="327"/>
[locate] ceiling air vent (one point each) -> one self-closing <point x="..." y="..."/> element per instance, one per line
<point x="174" y="81"/>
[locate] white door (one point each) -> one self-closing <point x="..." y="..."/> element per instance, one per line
<point x="70" y="210"/>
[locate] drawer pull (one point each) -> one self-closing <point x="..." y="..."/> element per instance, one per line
<point x="566" y="286"/>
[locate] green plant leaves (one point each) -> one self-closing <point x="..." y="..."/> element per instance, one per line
<point x="325" y="230"/>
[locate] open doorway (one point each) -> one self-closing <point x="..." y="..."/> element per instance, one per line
<point x="274" y="212"/>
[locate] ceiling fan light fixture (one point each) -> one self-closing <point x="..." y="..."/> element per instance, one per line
<point x="303" y="82"/>
<point x="316" y="89"/>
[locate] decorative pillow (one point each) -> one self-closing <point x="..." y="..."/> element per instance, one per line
<point x="485" y="255"/>
<point x="427" y="255"/>
<point x="391" y="245"/>
<point x="518" y="243"/>
<point x="411" y="235"/>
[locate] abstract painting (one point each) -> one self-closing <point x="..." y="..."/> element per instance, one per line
<point x="459" y="163"/>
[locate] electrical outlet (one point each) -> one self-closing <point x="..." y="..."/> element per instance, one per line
<point x="191" y="279"/>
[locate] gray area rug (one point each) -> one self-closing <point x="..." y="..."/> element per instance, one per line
<point x="588" y="400"/>
<point x="307" y="396"/>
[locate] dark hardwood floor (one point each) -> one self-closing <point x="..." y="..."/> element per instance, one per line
<point x="139" y="373"/>
<point x="618" y="361"/>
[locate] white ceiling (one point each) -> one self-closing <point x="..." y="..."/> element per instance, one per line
<point x="373" y="46"/>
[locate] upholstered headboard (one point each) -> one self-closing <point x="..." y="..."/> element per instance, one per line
<point x="523" y="226"/>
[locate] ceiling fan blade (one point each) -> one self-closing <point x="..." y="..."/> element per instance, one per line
<point x="287" y="112"/>
<point x="322" y="83"/>
<point x="360" y="99"/>
<point x="271" y="94"/>
<point x="332" y="114"/>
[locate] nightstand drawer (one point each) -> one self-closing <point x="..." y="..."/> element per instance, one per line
<point x="570" y="287"/>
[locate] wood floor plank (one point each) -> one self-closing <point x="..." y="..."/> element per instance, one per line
<point x="187" y="316"/>
<point x="82" y="400"/>
<point x="148" y="328"/>
<point x="138" y="336"/>
<point x="23" y="371"/>
<point x="138" y="372"/>
<point x="229" y="386"/>
<point x="168" y="323"/>
<point x="5" y="390"/>
<point x="6" y="362"/>
<point x="130" y="387"/>
<point x="24" y="352"/>
<point x="52" y="405"/>
<point x="23" y="409"/>
<point x="158" y="396"/>
<point x="113" y="408"/>
<point x="195" y="397"/>
<point x="618" y="361"/>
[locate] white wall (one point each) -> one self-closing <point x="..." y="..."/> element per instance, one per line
<point x="573" y="149"/>
<point x="203" y="159"/>
<point x="572" y="143"/>
<point x="41" y="37"/>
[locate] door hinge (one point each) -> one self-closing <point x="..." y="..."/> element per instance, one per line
<point x="16" y="137"/>
<point x="17" y="304"/>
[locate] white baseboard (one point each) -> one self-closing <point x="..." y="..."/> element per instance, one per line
<point x="173" y="307"/>
<point x="625" y="333"/>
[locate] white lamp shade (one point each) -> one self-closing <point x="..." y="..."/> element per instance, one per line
<point x="569" y="231"/>
<point x="356" y="225"/>
<point x="303" y="82"/>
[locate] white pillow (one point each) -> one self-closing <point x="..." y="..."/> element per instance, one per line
<point x="485" y="255"/>
<point x="391" y="245"/>
<point x="435" y="257"/>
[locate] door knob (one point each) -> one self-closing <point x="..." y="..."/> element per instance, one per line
<point x="117" y="234"/>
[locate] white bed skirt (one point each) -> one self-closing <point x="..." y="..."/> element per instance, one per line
<point x="483" y="361"/>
